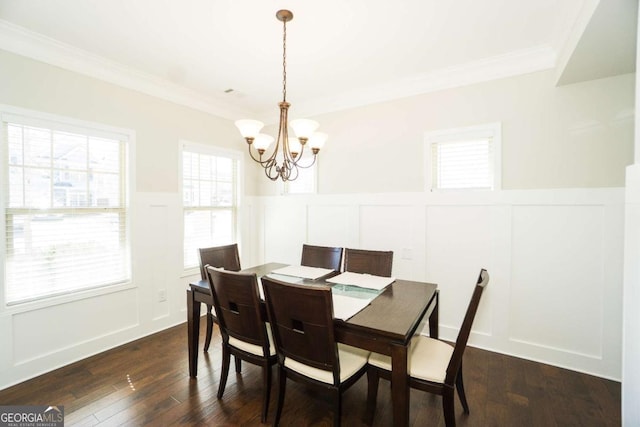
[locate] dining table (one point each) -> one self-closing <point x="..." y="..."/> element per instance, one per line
<point x="386" y="325"/>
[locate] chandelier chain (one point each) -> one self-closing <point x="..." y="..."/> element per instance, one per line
<point x="284" y="60"/>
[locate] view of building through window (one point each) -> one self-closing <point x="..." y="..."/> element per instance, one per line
<point x="209" y="191"/>
<point x="65" y="211"/>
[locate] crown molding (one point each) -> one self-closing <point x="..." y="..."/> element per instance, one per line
<point x="21" y="41"/>
<point x="497" y="67"/>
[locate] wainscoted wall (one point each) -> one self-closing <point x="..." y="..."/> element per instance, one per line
<point x="41" y="336"/>
<point x="555" y="259"/>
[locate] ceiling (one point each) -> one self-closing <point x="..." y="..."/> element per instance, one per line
<point x="340" y="54"/>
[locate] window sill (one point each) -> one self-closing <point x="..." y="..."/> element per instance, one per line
<point x="45" y="302"/>
<point x="190" y="272"/>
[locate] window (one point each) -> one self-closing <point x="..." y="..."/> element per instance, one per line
<point x="465" y="158"/>
<point x="210" y="198"/>
<point x="65" y="209"/>
<point x="307" y="178"/>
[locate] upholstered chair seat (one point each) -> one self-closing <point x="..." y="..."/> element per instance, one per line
<point x="352" y="359"/>
<point x="252" y="348"/>
<point x="428" y="359"/>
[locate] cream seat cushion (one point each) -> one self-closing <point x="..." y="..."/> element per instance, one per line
<point x="252" y="348"/>
<point x="428" y="359"/>
<point x="351" y="360"/>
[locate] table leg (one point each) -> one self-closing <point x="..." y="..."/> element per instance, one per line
<point x="433" y="319"/>
<point x="193" y="331"/>
<point x="399" y="385"/>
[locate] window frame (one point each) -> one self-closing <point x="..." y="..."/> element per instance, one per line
<point x="211" y="150"/>
<point x="307" y="157"/>
<point x="56" y="122"/>
<point x="492" y="131"/>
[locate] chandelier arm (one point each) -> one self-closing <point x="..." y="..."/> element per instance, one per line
<point x="283" y="135"/>
<point x="299" y="156"/>
<point x="270" y="164"/>
<point x="297" y="160"/>
<point x="259" y="159"/>
<point x="294" y="173"/>
<point x="313" y="162"/>
<point x="267" y="172"/>
<point x="289" y="171"/>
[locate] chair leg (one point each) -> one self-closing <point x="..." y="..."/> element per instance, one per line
<point x="337" y="408"/>
<point x="282" y="383"/>
<point x="207" y="340"/>
<point x="266" y="390"/>
<point x="372" y="393"/>
<point x="226" y="358"/>
<point x="461" y="394"/>
<point x="448" y="407"/>
<point x="238" y="365"/>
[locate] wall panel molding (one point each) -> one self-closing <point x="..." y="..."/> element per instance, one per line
<point x="555" y="259"/>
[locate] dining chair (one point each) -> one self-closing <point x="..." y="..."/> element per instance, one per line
<point x="245" y="334"/>
<point x="378" y="263"/>
<point x="220" y="257"/>
<point x="322" y="257"/>
<point x="301" y="319"/>
<point x="434" y="366"/>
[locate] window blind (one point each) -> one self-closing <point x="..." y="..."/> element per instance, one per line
<point x="65" y="212"/>
<point x="305" y="183"/>
<point x="465" y="164"/>
<point x="209" y="189"/>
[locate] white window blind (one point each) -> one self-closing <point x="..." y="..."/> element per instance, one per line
<point x="65" y="211"/>
<point x="305" y="183"/>
<point x="462" y="164"/>
<point x="210" y="198"/>
<point x="465" y="158"/>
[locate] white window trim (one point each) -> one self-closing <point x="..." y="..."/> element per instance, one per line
<point x="199" y="147"/>
<point x="493" y="130"/>
<point x="84" y="126"/>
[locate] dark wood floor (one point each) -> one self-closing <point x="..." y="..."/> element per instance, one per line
<point x="146" y="382"/>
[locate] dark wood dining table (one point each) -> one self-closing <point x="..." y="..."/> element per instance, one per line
<point x="385" y="326"/>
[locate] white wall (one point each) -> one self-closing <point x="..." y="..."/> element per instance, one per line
<point x="372" y="177"/>
<point x="158" y="124"/>
<point x="631" y="298"/>
<point x="554" y="256"/>
<point x="41" y="336"/>
<point x="631" y="293"/>
<point x="554" y="238"/>
<point x="574" y="136"/>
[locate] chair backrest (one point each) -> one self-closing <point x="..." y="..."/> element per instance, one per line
<point x="302" y="324"/>
<point x="378" y="263"/>
<point x="321" y="256"/>
<point x="465" y="329"/>
<point x="237" y="302"/>
<point x="220" y="257"/>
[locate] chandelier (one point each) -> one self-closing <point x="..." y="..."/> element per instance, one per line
<point x="285" y="158"/>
